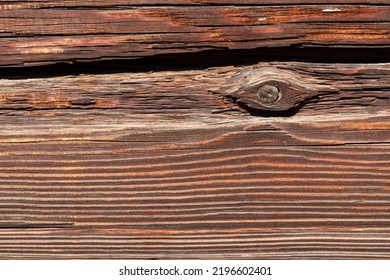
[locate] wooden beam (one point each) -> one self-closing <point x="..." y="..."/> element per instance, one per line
<point x="30" y="36"/>
<point x="39" y="4"/>
<point x="110" y="184"/>
<point x="336" y="87"/>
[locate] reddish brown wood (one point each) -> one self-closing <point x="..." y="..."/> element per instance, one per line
<point x="191" y="184"/>
<point x="121" y="3"/>
<point x="31" y="36"/>
<point x="109" y="184"/>
<point x="182" y="159"/>
<point x="208" y="243"/>
<point x="337" y="88"/>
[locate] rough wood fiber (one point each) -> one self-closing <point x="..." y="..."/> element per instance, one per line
<point x="38" y="4"/>
<point x="146" y="165"/>
<point x="344" y="88"/>
<point x="208" y="243"/>
<point x="98" y="184"/>
<point x="161" y="162"/>
<point x="46" y="32"/>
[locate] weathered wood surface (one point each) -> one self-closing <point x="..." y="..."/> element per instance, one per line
<point x="44" y="32"/>
<point x="123" y="160"/>
<point x="38" y="4"/>
<point x="337" y="88"/>
<point x="157" y="163"/>
<point x="111" y="184"/>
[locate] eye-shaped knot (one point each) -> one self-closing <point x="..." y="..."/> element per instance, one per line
<point x="272" y="89"/>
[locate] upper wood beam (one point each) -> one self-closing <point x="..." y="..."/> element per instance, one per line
<point x="113" y="3"/>
<point x="31" y="36"/>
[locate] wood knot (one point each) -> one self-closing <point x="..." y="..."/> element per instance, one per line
<point x="272" y="89"/>
<point x="268" y="94"/>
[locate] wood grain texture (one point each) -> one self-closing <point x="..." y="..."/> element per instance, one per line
<point x="98" y="183"/>
<point x="111" y="184"/>
<point x="173" y="161"/>
<point x="339" y="88"/>
<point x="39" y="4"/>
<point x="42" y="32"/>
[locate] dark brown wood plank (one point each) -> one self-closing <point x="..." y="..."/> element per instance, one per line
<point x="211" y="243"/>
<point x="163" y="163"/>
<point x="39" y="4"/>
<point x="339" y="88"/>
<point x="111" y="184"/>
<point x="31" y="36"/>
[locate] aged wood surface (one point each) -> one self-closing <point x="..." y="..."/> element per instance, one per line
<point x="337" y="88"/>
<point x="122" y="3"/>
<point x="111" y="184"/>
<point x="114" y="183"/>
<point x="260" y="144"/>
<point x="44" y="32"/>
<point x="159" y="164"/>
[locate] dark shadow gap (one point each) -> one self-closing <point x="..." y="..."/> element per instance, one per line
<point x="271" y="114"/>
<point x="202" y="60"/>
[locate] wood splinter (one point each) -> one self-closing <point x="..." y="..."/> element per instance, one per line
<point x="273" y="89"/>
